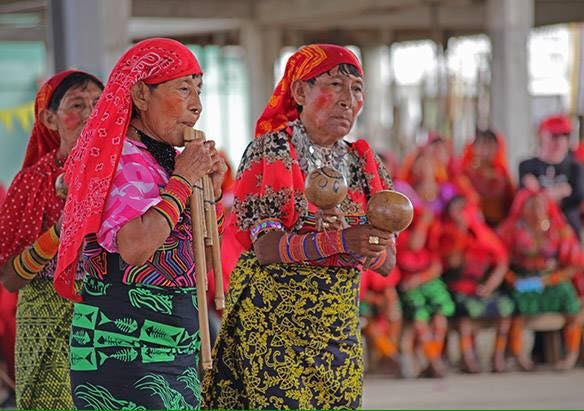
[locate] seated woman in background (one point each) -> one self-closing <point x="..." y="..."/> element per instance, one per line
<point x="544" y="255"/>
<point x="475" y="263"/>
<point x="380" y="308"/>
<point x="485" y="165"/>
<point x="419" y="173"/>
<point x="425" y="299"/>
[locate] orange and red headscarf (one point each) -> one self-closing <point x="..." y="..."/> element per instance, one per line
<point x="92" y="164"/>
<point x="306" y="63"/>
<point x="20" y="226"/>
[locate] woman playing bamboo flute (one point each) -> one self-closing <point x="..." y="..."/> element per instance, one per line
<point x="135" y="335"/>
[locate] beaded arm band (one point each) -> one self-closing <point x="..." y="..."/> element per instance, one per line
<point x="264" y="226"/>
<point x="296" y="248"/>
<point x="174" y="199"/>
<point x="31" y="261"/>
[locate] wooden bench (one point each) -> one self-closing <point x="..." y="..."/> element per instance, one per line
<point x="549" y="323"/>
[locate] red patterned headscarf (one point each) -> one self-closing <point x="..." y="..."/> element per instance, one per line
<point x="94" y="160"/>
<point x="19" y="225"/>
<point x="306" y="63"/>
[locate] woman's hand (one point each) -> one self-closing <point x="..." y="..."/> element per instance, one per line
<point x="218" y="168"/>
<point x="494" y="280"/>
<point x="59" y="224"/>
<point x="412" y="282"/>
<point x="195" y="161"/>
<point x="530" y="182"/>
<point x="366" y="240"/>
<point x="331" y="219"/>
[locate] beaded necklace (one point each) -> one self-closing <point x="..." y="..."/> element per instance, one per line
<point x="163" y="153"/>
<point x="312" y="156"/>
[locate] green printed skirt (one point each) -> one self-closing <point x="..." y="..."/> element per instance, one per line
<point x="558" y="298"/>
<point x="496" y="305"/>
<point x="289" y="339"/>
<point x="43" y="321"/>
<point x="135" y="347"/>
<point x="426" y="300"/>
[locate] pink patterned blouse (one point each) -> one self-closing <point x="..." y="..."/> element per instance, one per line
<point x="135" y="188"/>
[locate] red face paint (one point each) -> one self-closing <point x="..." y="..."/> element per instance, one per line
<point x="357" y="107"/>
<point x="323" y="100"/>
<point x="71" y="119"/>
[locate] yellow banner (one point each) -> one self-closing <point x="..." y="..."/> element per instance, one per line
<point x="22" y="115"/>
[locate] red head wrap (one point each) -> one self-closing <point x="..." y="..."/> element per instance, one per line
<point x="306" y="63"/>
<point x="94" y="160"/>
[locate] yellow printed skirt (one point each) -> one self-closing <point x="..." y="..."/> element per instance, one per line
<point x="289" y="339"/>
<point x="43" y="323"/>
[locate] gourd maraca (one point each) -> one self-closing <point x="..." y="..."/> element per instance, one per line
<point x="390" y="211"/>
<point x="326" y="188"/>
<point x="60" y="186"/>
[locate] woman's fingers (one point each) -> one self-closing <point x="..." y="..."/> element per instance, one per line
<point x="368" y="241"/>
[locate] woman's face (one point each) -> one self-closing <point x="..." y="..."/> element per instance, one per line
<point x="73" y="111"/>
<point x="485" y="149"/>
<point x="438" y="150"/>
<point x="456" y="211"/>
<point x="330" y="105"/>
<point x="170" y="107"/>
<point x="423" y="168"/>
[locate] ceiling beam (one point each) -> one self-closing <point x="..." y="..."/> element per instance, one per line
<point x="199" y="9"/>
<point x="448" y="17"/>
<point x="285" y="12"/>
<point x="22" y="6"/>
<point x="558" y="11"/>
<point x="38" y="33"/>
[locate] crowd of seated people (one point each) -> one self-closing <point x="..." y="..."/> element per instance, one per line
<point x="482" y="249"/>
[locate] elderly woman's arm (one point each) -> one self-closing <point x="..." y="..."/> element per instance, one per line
<point x="24" y="267"/>
<point x="279" y="247"/>
<point x="138" y="239"/>
<point x="142" y="236"/>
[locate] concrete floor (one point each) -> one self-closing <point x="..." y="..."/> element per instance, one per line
<point x="537" y="390"/>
